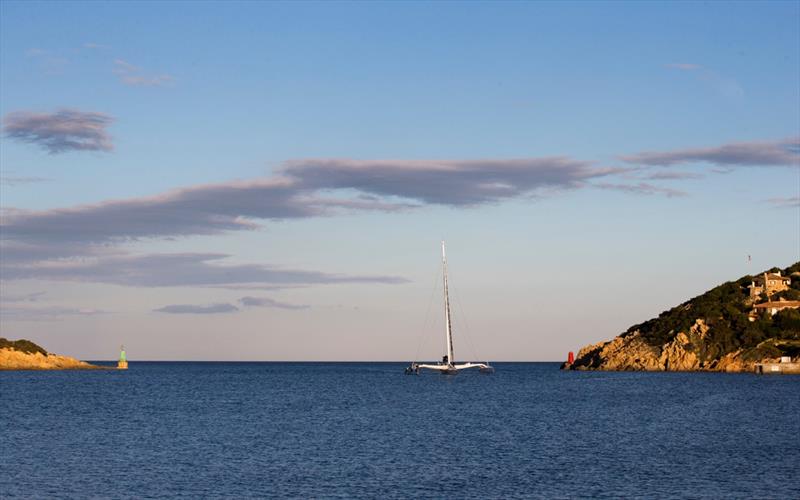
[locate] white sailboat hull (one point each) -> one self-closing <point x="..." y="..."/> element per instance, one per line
<point x="453" y="369"/>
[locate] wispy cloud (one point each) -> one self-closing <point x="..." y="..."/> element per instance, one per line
<point x="224" y="307"/>
<point x="257" y="287"/>
<point x="82" y="243"/>
<point x="642" y="188"/>
<point x="147" y="81"/>
<point x="197" y="309"/>
<point x="18" y="252"/>
<point x="20" y="313"/>
<point x="304" y="190"/>
<point x="199" y="210"/>
<point x="28" y="297"/>
<point x="739" y="154"/>
<point x="672" y="175"/>
<point x="10" y="180"/>
<point x="683" y="66"/>
<point x="721" y="170"/>
<point x="133" y="75"/>
<point x="724" y="85"/>
<point x="267" y="302"/>
<point x="180" y="269"/>
<point x="785" y="202"/>
<point x="34" y="244"/>
<point x="61" y="131"/>
<point x="445" y="182"/>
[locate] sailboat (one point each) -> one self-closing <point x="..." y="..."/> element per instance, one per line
<point x="447" y="366"/>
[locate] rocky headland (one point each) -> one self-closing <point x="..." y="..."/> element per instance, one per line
<point x="730" y="328"/>
<point x="25" y="355"/>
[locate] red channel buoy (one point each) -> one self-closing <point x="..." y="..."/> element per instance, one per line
<point x="570" y="358"/>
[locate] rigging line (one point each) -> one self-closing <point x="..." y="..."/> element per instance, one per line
<point x="436" y="325"/>
<point x="463" y="320"/>
<point x="427" y="315"/>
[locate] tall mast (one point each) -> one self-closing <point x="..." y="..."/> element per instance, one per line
<point x="449" y="331"/>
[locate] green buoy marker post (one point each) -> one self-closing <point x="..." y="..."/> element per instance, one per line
<point x="122" y="364"/>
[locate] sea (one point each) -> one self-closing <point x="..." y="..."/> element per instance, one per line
<point x="366" y="430"/>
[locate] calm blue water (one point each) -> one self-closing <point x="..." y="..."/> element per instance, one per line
<point x="367" y="430"/>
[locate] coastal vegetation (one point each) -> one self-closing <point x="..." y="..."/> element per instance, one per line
<point x="721" y="329"/>
<point x="726" y="309"/>
<point x="22" y="346"/>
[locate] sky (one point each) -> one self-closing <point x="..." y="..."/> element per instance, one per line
<point x="272" y="181"/>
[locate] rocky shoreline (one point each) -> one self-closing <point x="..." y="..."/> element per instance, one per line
<point x="687" y="351"/>
<point x="25" y="355"/>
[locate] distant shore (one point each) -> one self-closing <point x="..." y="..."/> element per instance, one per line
<point x="751" y="324"/>
<point x="25" y="355"/>
<point x="685" y="353"/>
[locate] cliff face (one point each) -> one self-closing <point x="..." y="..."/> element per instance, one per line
<point x="36" y="358"/>
<point x="688" y="351"/>
<point x="711" y="332"/>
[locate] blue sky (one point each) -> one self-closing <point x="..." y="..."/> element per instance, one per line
<point x="589" y="164"/>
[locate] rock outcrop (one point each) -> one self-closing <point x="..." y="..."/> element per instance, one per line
<point x="723" y="329"/>
<point x="687" y="351"/>
<point x="21" y="356"/>
<point x="628" y="352"/>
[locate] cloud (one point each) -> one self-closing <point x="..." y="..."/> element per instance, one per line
<point x="178" y="269"/>
<point x="740" y="154"/>
<point x="45" y="313"/>
<point x="785" y="202"/>
<point x="61" y="131"/>
<point x="223" y="307"/>
<point x="199" y="210"/>
<point x="194" y="309"/>
<point x="28" y="297"/>
<point x="642" y="188"/>
<point x="132" y="75"/>
<point x="90" y="45"/>
<point x="15" y="252"/>
<point x="672" y="175"/>
<point x="16" y="181"/>
<point x="307" y="188"/>
<point x="358" y="203"/>
<point x="683" y="66"/>
<point x="267" y="302"/>
<point x="124" y="67"/>
<point x="722" y="171"/>
<point x="257" y="286"/>
<point x="726" y="86"/>
<point x="146" y="81"/>
<point x="81" y="243"/>
<point x="444" y="182"/>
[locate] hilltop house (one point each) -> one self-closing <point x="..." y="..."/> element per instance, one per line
<point x="769" y="283"/>
<point x="773" y="307"/>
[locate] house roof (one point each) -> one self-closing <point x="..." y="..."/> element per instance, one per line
<point x="770" y="276"/>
